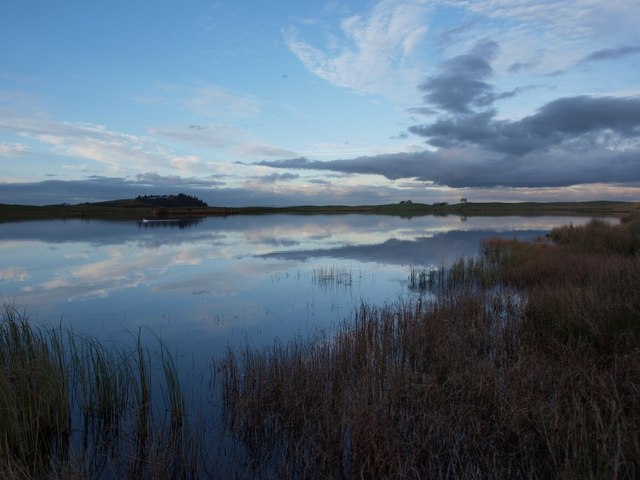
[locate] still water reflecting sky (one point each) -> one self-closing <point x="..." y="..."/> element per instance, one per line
<point x="204" y="285"/>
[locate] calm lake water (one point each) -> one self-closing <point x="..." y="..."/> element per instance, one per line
<point x="201" y="286"/>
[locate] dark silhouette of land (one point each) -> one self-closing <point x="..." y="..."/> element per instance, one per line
<point x="186" y="206"/>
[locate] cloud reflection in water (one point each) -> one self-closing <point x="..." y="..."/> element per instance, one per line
<point x="227" y="279"/>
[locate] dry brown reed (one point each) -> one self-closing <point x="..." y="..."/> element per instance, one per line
<point x="526" y="364"/>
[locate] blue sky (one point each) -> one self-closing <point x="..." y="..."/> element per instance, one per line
<point x="289" y="102"/>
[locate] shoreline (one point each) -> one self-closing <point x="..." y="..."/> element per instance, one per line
<point x="126" y="210"/>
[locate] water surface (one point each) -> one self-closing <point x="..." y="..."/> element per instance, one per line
<point x="221" y="281"/>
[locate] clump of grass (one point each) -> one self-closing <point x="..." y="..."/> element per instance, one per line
<point x="583" y="288"/>
<point x="422" y="280"/>
<point x="72" y="408"/>
<point x="526" y="364"/>
<point x="330" y="276"/>
<point x="599" y="237"/>
<point x="35" y="417"/>
<point x="465" y="272"/>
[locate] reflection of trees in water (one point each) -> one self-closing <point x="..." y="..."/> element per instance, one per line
<point x="170" y="223"/>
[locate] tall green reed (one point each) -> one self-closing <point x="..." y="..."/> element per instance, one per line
<point x="35" y="419"/>
<point x="72" y="406"/>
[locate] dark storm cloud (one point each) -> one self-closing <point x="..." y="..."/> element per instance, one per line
<point x="426" y="111"/>
<point x="567" y="141"/>
<point x="557" y="122"/>
<point x="578" y="115"/>
<point x="475" y="167"/>
<point x="450" y="131"/>
<point x="460" y="85"/>
<point x="611" y="54"/>
<point x="392" y="166"/>
<point x="278" y="177"/>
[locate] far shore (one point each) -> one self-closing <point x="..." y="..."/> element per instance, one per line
<point x="133" y="210"/>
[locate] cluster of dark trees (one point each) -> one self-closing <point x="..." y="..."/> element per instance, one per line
<point x="180" y="200"/>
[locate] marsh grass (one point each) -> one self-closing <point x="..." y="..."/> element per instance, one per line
<point x="422" y="280"/>
<point x="526" y="364"/>
<point x="332" y="276"/>
<point x="73" y="408"/>
<point x="34" y="398"/>
<point x="522" y="362"/>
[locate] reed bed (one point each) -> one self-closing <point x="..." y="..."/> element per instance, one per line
<point x="523" y="362"/>
<point x="332" y="276"/>
<point x="73" y="408"/>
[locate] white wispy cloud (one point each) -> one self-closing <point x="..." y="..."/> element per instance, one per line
<point x="203" y="99"/>
<point x="207" y="135"/>
<point x="14" y="273"/>
<point x="374" y="52"/>
<point x="377" y="51"/>
<point x="216" y="101"/>
<point x="239" y="142"/>
<point x="120" y="152"/>
<point x="548" y="35"/>
<point x="187" y="163"/>
<point x="253" y="150"/>
<point x="12" y="149"/>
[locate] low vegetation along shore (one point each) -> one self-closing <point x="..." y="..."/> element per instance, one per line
<point x="522" y="362"/>
<point x="185" y="206"/>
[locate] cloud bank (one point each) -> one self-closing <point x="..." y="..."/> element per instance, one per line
<point x="567" y="141"/>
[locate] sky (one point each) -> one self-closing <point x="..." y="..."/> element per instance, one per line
<point x="288" y="102"/>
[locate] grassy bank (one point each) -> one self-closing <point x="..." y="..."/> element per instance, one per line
<point x="522" y="363"/>
<point x="135" y="210"/>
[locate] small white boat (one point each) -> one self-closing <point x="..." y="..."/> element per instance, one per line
<point x="158" y="220"/>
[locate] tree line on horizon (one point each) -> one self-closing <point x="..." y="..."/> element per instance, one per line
<point x="180" y="200"/>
